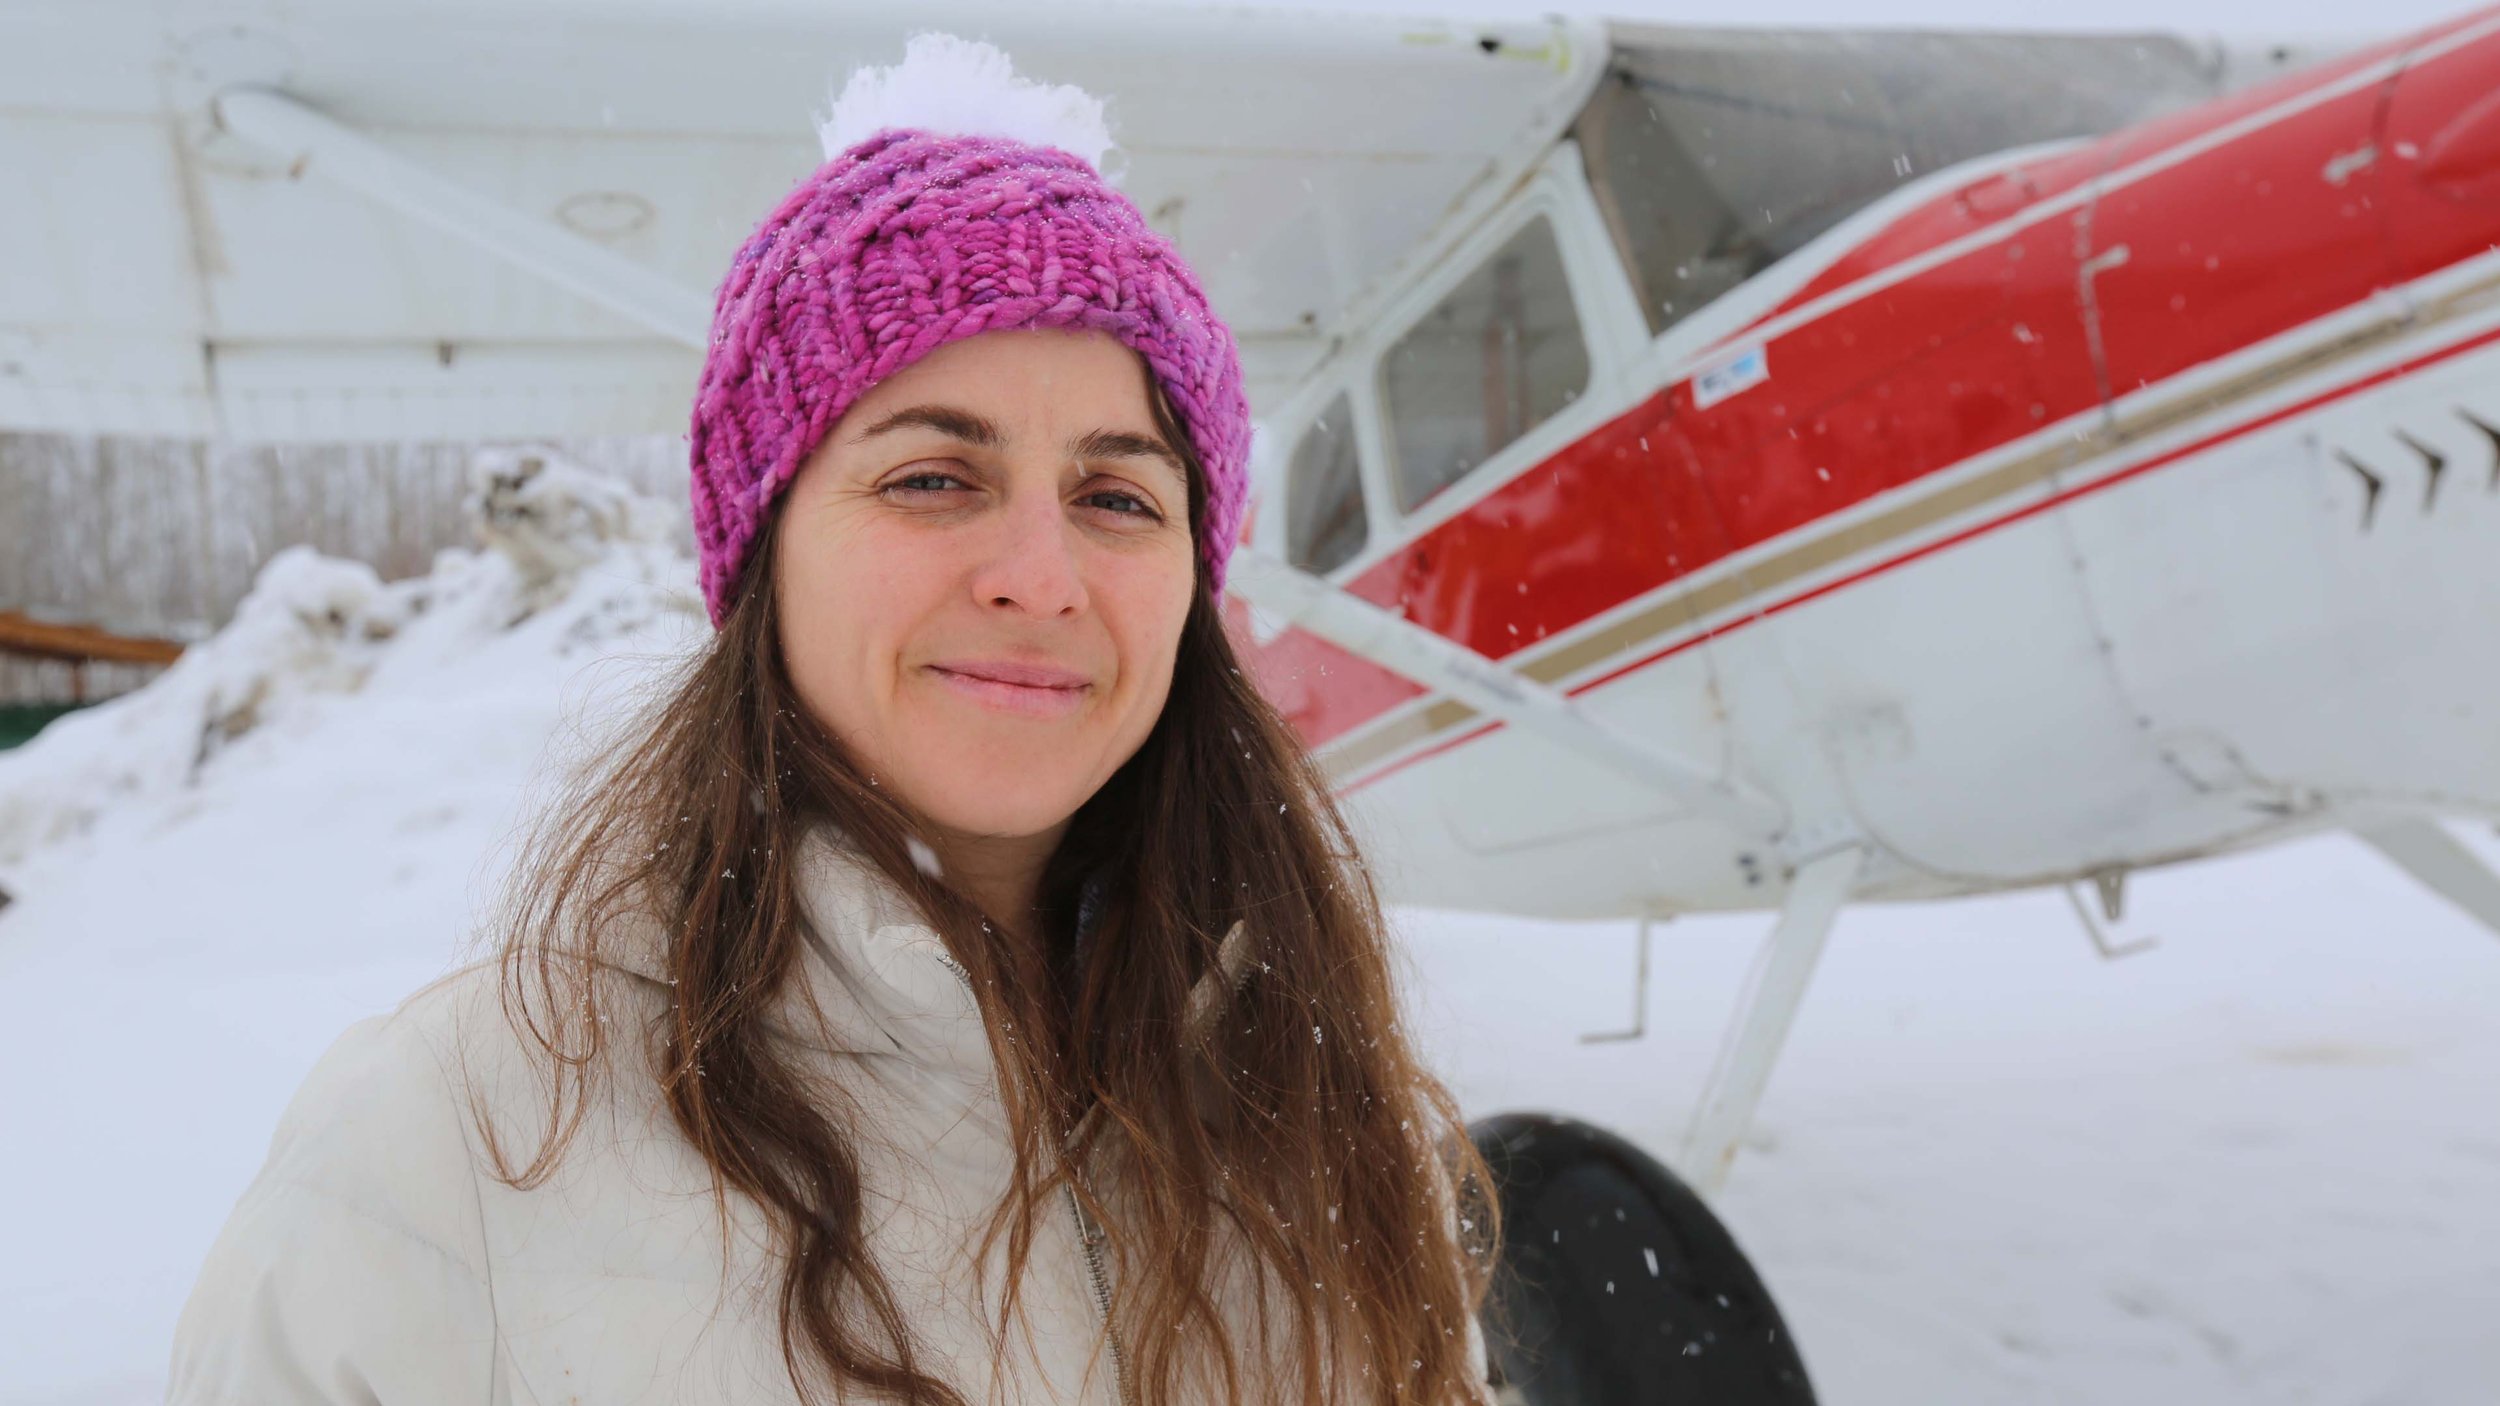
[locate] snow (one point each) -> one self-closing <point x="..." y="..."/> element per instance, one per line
<point x="2258" y="1163"/>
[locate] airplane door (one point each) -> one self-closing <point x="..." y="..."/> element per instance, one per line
<point x="1923" y="655"/>
<point x="2224" y="285"/>
<point x="2309" y="545"/>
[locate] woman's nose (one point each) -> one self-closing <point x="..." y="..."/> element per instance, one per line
<point x="1032" y="565"/>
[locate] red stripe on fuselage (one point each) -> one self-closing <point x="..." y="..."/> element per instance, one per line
<point x="2134" y="471"/>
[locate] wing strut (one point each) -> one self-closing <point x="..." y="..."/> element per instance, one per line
<point x="320" y="145"/>
<point x="1445" y="666"/>
<point x="2423" y="848"/>
<point x="1769" y="1005"/>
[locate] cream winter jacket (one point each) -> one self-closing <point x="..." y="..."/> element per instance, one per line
<point x="377" y="1259"/>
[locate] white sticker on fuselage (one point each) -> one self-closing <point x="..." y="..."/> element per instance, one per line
<point x="1739" y="371"/>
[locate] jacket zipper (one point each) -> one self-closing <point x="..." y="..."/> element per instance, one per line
<point x="1089" y="1244"/>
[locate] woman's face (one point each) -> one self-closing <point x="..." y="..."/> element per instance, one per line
<point x="983" y="572"/>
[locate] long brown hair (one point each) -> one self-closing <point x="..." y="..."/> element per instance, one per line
<point x="1301" y="1129"/>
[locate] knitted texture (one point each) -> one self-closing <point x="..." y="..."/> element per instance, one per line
<point x="910" y="240"/>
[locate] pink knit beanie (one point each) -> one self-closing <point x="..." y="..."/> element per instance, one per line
<point x="912" y="239"/>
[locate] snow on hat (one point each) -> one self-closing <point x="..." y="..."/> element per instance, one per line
<point x="955" y="199"/>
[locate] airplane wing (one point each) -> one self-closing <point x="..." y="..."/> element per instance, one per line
<point x="160" y="276"/>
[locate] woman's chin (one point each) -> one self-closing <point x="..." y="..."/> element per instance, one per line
<point x="978" y="806"/>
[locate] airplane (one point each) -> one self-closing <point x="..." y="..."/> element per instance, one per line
<point x="1679" y="538"/>
<point x="1716" y="524"/>
<point x="1700" y="469"/>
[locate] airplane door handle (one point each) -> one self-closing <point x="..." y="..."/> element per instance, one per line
<point x="2115" y="256"/>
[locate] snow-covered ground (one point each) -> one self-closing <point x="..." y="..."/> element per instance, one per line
<point x="2259" y="1163"/>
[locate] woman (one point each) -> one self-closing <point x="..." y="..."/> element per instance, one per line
<point x="962" y="988"/>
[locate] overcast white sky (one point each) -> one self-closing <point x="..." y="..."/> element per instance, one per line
<point x="2270" y="18"/>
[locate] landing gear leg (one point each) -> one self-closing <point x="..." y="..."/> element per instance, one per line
<point x="2423" y="848"/>
<point x="1752" y="1045"/>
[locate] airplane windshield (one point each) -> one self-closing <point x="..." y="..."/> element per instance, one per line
<point x="1717" y="153"/>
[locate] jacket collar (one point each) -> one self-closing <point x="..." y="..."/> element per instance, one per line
<point x="872" y="977"/>
<point x="877" y="971"/>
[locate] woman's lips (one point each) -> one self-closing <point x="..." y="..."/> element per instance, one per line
<point x="1033" y="690"/>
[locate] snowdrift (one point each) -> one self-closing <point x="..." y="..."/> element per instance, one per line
<point x="582" y="560"/>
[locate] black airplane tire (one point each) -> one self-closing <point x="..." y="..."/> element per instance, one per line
<point x="1617" y="1286"/>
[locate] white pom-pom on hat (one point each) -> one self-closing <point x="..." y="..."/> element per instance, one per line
<point x="964" y="87"/>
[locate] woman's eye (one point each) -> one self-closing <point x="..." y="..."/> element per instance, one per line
<point x="924" y="481"/>
<point x="1122" y="503"/>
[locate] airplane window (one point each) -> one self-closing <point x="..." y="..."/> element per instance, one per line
<point x="1497" y="357"/>
<point x="1715" y="154"/>
<point x="1324" y="520"/>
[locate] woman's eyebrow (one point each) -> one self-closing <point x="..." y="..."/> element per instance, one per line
<point x="1121" y="444"/>
<point x="981" y="432"/>
<point x="945" y="419"/>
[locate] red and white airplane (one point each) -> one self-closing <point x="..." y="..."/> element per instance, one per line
<point x="1701" y="469"/>
<point x="1723" y="521"/>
